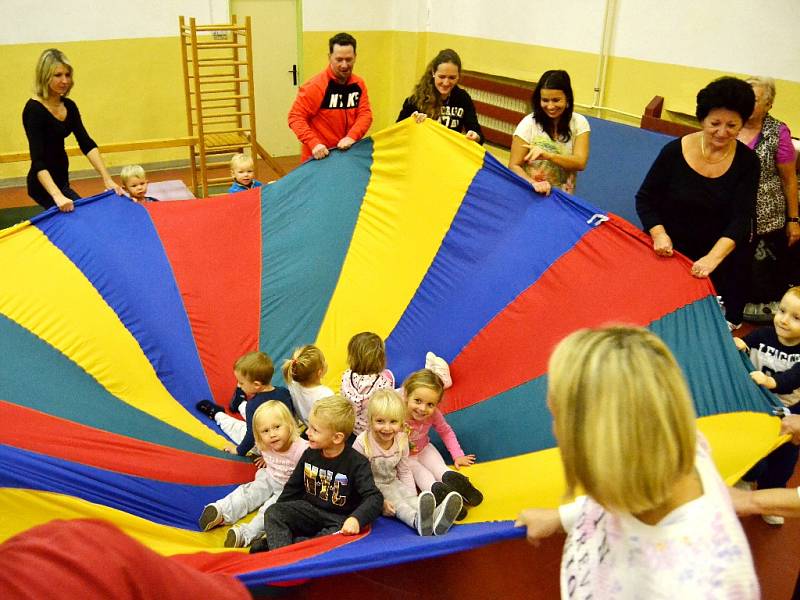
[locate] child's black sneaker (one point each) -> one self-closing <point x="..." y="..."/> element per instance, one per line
<point x="447" y="512"/>
<point x="425" y="512"/>
<point x="238" y="398"/>
<point x="440" y="491"/>
<point x="210" y="518"/>
<point x="209" y="409"/>
<point x="462" y="485"/>
<point x="260" y="545"/>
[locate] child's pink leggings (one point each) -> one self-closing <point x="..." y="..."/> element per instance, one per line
<point x="427" y="466"/>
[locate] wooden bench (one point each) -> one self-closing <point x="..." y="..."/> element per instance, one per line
<point x="500" y="102"/>
<point x="178" y="142"/>
<point x="651" y="119"/>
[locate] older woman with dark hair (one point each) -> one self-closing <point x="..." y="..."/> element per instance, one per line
<point x="699" y="195"/>
<point x="777" y="226"/>
<point x="49" y="117"/>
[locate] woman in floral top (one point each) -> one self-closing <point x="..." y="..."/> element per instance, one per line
<point x="551" y="144"/>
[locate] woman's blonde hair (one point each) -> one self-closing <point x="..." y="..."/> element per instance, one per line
<point x="425" y="97"/>
<point x="47" y="64"/>
<point x="306" y="362"/>
<point x="366" y="353"/>
<point x="283" y="414"/>
<point x="424" y="378"/>
<point x="623" y="416"/>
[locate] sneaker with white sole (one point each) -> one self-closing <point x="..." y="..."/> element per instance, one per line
<point x="446" y="513"/>
<point x="760" y="312"/>
<point x="773" y="520"/>
<point x="210" y="518"/>
<point x="234" y="538"/>
<point x="425" y="513"/>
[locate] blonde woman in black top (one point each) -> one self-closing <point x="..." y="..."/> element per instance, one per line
<point x="49" y="117"/>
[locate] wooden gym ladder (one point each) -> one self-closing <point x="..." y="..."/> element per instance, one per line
<point x="220" y="101"/>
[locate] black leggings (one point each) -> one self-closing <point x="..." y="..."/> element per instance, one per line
<point x="45" y="200"/>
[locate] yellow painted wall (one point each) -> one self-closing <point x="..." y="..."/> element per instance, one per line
<point x="126" y="90"/>
<point x="633" y="83"/>
<point x="391" y="62"/>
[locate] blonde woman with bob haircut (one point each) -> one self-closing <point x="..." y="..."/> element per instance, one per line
<point x="49" y="117"/>
<point x="656" y="520"/>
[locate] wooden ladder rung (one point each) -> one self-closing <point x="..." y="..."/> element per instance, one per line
<point x="238" y="113"/>
<point x="218" y="180"/>
<point x="217" y="45"/>
<point x="230" y="63"/>
<point x="222" y="91"/>
<point x="225" y="27"/>
<point x="218" y="81"/>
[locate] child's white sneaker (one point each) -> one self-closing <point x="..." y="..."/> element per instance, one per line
<point x="446" y="513"/>
<point x="235" y="538"/>
<point x="425" y="513"/>
<point x="439" y="366"/>
<point x="210" y="518"/>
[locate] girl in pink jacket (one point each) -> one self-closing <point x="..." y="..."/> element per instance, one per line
<point x="423" y="391"/>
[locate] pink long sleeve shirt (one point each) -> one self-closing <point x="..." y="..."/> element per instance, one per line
<point x="418" y="434"/>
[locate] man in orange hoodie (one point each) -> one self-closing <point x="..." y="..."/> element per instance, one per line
<point x="332" y="108"/>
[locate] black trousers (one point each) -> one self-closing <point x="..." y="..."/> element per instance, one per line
<point x="776" y="469"/>
<point x="45" y="200"/>
<point x="285" y="522"/>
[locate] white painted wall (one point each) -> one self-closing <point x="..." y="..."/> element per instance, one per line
<point x="743" y="36"/>
<point x="23" y="21"/>
<point x="577" y="26"/>
<point x="365" y="15"/>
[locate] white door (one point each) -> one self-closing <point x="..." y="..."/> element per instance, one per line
<point x="275" y="43"/>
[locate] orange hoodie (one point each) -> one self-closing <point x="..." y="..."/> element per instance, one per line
<point x="325" y="111"/>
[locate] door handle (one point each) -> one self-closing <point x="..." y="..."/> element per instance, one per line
<point x="293" y="71"/>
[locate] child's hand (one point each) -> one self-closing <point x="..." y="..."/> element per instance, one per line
<point x="541" y="523"/>
<point x="791" y="425"/>
<point x="542" y="187"/>
<point x="763" y="379"/>
<point x="464" y="461"/>
<point x="740" y="345"/>
<point x="230" y="449"/>
<point x="388" y="509"/>
<point x="350" y="526"/>
<point x="260" y="462"/>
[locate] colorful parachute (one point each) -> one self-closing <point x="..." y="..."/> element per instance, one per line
<point x="117" y="318"/>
